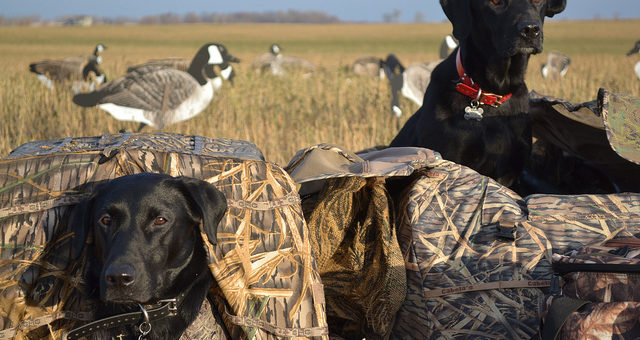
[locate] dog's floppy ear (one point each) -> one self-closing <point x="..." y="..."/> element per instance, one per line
<point x="80" y="219"/>
<point x="209" y="200"/>
<point x="79" y="222"/>
<point x="554" y="7"/>
<point x="459" y="13"/>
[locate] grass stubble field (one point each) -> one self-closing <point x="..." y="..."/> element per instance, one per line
<point x="282" y="115"/>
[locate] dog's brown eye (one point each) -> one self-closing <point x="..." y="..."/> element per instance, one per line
<point x="160" y="220"/>
<point x="106" y="220"/>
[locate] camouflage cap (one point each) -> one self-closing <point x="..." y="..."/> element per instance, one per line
<point x="585" y="113"/>
<point x="618" y="115"/>
<point x="621" y="116"/>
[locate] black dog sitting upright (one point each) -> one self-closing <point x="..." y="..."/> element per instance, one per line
<point x="145" y="249"/>
<point x="475" y="109"/>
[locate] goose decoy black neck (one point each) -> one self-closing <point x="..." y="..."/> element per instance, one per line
<point x="209" y="54"/>
<point x="93" y="66"/>
<point x="393" y="65"/>
<point x="635" y="49"/>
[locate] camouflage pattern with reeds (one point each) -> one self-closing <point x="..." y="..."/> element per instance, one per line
<point x="351" y="224"/>
<point x="605" y="282"/>
<point x="473" y="270"/>
<point x="478" y="257"/>
<point x="262" y="262"/>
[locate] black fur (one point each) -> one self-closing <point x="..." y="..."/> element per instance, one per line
<point x="496" y="41"/>
<point x="146" y="246"/>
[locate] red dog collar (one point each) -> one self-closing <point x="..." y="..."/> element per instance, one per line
<point x="470" y="89"/>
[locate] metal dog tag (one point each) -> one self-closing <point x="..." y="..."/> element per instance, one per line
<point x="473" y="112"/>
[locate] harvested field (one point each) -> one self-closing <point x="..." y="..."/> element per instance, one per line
<point x="282" y="115"/>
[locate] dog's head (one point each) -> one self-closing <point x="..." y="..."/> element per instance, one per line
<point x="146" y="236"/>
<point x="506" y="27"/>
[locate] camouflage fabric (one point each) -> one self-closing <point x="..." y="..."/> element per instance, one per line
<point x="614" y="320"/>
<point x="477" y="256"/>
<point x="205" y="327"/>
<point x="349" y="214"/>
<point x="602" y="286"/>
<point x="605" y="287"/>
<point x="586" y="113"/>
<point x="611" y="298"/>
<point x="591" y="147"/>
<point x="262" y="261"/>
<point x="358" y="256"/>
<point x="473" y="265"/>
<point x="621" y="115"/>
<point x="323" y="161"/>
<point x="573" y="221"/>
<point x="467" y="281"/>
<point x="167" y="142"/>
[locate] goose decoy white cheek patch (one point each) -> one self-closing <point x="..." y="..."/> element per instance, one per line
<point x="215" y="57"/>
<point x="226" y="72"/>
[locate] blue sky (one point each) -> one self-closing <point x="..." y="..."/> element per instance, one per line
<point x="351" y="10"/>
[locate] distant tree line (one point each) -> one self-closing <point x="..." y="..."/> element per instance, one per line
<point x="289" y="16"/>
<point x="21" y="21"/>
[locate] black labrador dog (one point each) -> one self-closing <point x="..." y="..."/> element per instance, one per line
<point x="475" y="109"/>
<point x="145" y="248"/>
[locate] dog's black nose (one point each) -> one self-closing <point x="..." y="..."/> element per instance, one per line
<point x="120" y="275"/>
<point x="529" y="30"/>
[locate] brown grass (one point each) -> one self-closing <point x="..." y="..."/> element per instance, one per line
<point x="284" y="115"/>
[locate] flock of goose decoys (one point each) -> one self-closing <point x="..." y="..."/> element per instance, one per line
<point x="160" y="92"/>
<point x="81" y="73"/>
<point x="156" y="93"/>
<point x="277" y="64"/>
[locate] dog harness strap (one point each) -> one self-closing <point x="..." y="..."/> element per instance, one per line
<point x="469" y="88"/>
<point x="432" y="293"/>
<point x="166" y="308"/>
<point x="245" y="321"/>
<point x="19" y="209"/>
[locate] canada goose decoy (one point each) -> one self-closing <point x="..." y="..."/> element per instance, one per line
<point x="278" y="64"/>
<point x="556" y="66"/>
<point x="369" y="66"/>
<point x="263" y="61"/>
<point x="636" y="49"/>
<point x="181" y="64"/>
<point x="82" y="73"/>
<point x="411" y="82"/>
<point x="449" y="43"/>
<point x="159" y="96"/>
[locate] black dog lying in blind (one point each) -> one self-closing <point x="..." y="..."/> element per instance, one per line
<point x="475" y="109"/>
<point x="146" y="250"/>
